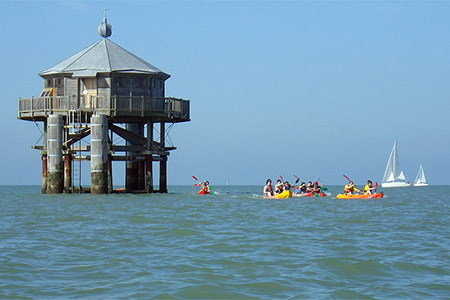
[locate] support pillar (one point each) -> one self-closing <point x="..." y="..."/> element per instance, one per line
<point x="163" y="174"/>
<point x="55" y="181"/>
<point x="99" y="154"/>
<point x="131" y="172"/>
<point x="110" y="179"/>
<point x="44" y="174"/>
<point x="149" y="174"/>
<point x="141" y="175"/>
<point x="67" y="173"/>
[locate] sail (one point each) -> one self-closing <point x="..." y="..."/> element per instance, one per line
<point x="388" y="172"/>
<point x="420" y="178"/>
<point x="401" y="177"/>
<point x="393" y="172"/>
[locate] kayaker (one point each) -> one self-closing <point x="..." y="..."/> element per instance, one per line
<point x="205" y="187"/>
<point x="279" y="188"/>
<point x="309" y="186"/>
<point x="302" y="188"/>
<point x="350" y="188"/>
<point x="316" y="188"/>
<point x="286" y="186"/>
<point x="268" y="190"/>
<point x="368" y="189"/>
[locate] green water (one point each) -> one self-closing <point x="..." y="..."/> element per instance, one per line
<point x="231" y="245"/>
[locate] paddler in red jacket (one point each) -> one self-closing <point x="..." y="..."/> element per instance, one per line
<point x="205" y="187"/>
<point x="316" y="188"/>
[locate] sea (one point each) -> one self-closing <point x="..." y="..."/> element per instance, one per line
<point x="230" y="245"/>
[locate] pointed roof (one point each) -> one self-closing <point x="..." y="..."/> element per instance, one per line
<point x="103" y="57"/>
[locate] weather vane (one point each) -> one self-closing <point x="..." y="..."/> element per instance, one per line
<point x="105" y="10"/>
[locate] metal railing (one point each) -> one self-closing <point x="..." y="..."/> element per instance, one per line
<point x="110" y="106"/>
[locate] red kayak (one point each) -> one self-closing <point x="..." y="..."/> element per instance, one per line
<point x="202" y="192"/>
<point x="311" y="194"/>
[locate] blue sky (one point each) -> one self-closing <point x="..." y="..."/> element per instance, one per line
<point x="312" y="88"/>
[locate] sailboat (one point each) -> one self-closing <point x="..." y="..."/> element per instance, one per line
<point x="393" y="175"/>
<point x="420" y="178"/>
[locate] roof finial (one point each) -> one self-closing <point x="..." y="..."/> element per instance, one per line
<point x="105" y="29"/>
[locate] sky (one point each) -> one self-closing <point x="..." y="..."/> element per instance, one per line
<point x="315" y="89"/>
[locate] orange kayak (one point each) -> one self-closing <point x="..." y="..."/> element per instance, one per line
<point x="356" y="196"/>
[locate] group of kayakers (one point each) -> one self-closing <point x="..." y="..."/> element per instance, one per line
<point x="302" y="188"/>
<point x="280" y="187"/>
<point x="310" y="187"/>
<point x="350" y="188"/>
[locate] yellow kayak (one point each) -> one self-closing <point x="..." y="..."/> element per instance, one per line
<point x="283" y="195"/>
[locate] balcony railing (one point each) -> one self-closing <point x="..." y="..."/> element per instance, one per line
<point x="114" y="106"/>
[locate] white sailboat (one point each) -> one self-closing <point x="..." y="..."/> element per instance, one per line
<point x="420" y="178"/>
<point x="393" y="175"/>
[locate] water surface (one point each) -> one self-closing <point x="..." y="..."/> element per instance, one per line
<point x="233" y="244"/>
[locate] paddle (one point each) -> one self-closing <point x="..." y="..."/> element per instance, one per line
<point x="195" y="178"/>
<point x="346" y="178"/>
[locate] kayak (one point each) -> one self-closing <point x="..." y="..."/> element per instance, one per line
<point x="311" y="194"/>
<point x="202" y="192"/>
<point x="283" y="195"/>
<point x="356" y="196"/>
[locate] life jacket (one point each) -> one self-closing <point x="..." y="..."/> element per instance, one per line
<point x="349" y="189"/>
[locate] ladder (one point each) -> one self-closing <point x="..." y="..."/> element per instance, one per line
<point x="75" y="126"/>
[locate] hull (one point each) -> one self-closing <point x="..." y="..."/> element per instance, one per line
<point x="204" y="193"/>
<point x="283" y="195"/>
<point x="369" y="196"/>
<point x="420" y="184"/>
<point x="315" y="195"/>
<point x="395" y="184"/>
<point x="312" y="195"/>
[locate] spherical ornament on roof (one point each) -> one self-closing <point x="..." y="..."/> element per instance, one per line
<point x="105" y="29"/>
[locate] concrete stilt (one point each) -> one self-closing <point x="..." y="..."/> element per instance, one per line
<point x="141" y="175"/>
<point x="163" y="174"/>
<point x="99" y="154"/>
<point x="131" y="172"/>
<point x="149" y="174"/>
<point x="44" y="174"/>
<point x="55" y="182"/>
<point x="110" y="179"/>
<point x="67" y="173"/>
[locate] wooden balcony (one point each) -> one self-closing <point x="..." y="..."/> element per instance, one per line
<point x="118" y="108"/>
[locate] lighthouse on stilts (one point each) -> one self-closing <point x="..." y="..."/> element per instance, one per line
<point x="103" y="105"/>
